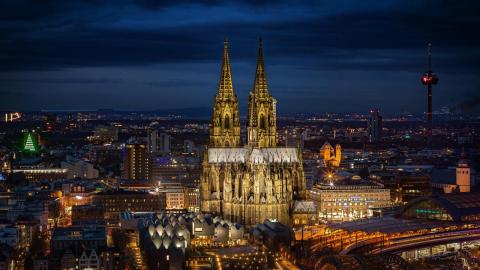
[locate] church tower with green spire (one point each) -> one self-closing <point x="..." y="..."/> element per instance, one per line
<point x="225" y="126"/>
<point x="262" y="115"/>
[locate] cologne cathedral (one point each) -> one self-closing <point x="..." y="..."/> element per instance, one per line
<point x="248" y="183"/>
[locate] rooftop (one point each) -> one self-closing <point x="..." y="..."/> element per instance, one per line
<point x="387" y="225"/>
<point x="79" y="233"/>
<point x="457" y="205"/>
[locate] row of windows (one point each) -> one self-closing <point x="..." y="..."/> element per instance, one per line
<point x="345" y="204"/>
<point x="115" y="201"/>
<point x="380" y="198"/>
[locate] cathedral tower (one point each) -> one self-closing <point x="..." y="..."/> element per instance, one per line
<point x="262" y="116"/>
<point x="253" y="183"/>
<point x="225" y="126"/>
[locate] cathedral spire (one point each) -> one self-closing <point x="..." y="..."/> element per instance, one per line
<point x="225" y="87"/>
<point x="261" y="121"/>
<point x="261" y="86"/>
<point x="225" y="127"/>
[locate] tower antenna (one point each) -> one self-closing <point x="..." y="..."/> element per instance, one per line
<point x="429" y="79"/>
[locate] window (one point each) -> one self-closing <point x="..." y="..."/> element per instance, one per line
<point x="427" y="209"/>
<point x="263" y="123"/>
<point x="227" y="122"/>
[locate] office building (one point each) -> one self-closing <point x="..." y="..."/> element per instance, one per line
<point x="136" y="162"/>
<point x="374" y="126"/>
<point x="348" y="201"/>
<point x="164" y="143"/>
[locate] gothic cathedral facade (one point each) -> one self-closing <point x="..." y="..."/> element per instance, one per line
<point x="256" y="181"/>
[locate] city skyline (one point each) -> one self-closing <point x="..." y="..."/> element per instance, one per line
<point x="141" y="55"/>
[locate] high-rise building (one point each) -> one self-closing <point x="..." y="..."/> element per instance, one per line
<point x="248" y="184"/>
<point x="164" y="143"/>
<point x="374" y="127"/>
<point x="136" y="162"/>
<point x="152" y="139"/>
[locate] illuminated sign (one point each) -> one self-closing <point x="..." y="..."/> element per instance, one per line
<point x="30" y="144"/>
<point x="10" y="117"/>
<point x="427" y="211"/>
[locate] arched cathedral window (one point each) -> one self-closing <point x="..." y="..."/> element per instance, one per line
<point x="263" y="123"/>
<point x="227" y="122"/>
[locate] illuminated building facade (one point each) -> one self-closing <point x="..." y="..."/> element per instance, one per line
<point x="30" y="144"/>
<point x="136" y="163"/>
<point x="437" y="217"/>
<point x="331" y="157"/>
<point x="175" y="200"/>
<point x="248" y="184"/>
<point x="192" y="199"/>
<point x="35" y="174"/>
<point x="10" y="117"/>
<point x="262" y="110"/>
<point x="348" y="202"/>
<point x="304" y="213"/>
<point x="463" y="176"/>
<point x="115" y="202"/>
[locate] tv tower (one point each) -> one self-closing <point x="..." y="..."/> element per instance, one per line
<point x="429" y="78"/>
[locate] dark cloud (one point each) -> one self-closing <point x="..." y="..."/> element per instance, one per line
<point x="314" y="36"/>
<point x="336" y="39"/>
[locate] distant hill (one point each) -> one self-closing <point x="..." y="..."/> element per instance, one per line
<point x="200" y="112"/>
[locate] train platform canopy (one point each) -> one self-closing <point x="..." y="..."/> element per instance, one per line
<point x="430" y="212"/>
<point x="389" y="225"/>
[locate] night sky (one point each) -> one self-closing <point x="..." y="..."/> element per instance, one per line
<point x="335" y="56"/>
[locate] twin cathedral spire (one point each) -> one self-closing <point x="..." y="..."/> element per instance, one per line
<point x="261" y="121"/>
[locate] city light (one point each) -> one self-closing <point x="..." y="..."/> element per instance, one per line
<point x="171" y="137"/>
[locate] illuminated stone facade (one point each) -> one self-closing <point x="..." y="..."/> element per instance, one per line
<point x="262" y="115"/>
<point x="331" y="157"/>
<point x="348" y="202"/>
<point x="225" y="127"/>
<point x="258" y="181"/>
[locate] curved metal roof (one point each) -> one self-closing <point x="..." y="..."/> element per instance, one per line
<point x="457" y="205"/>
